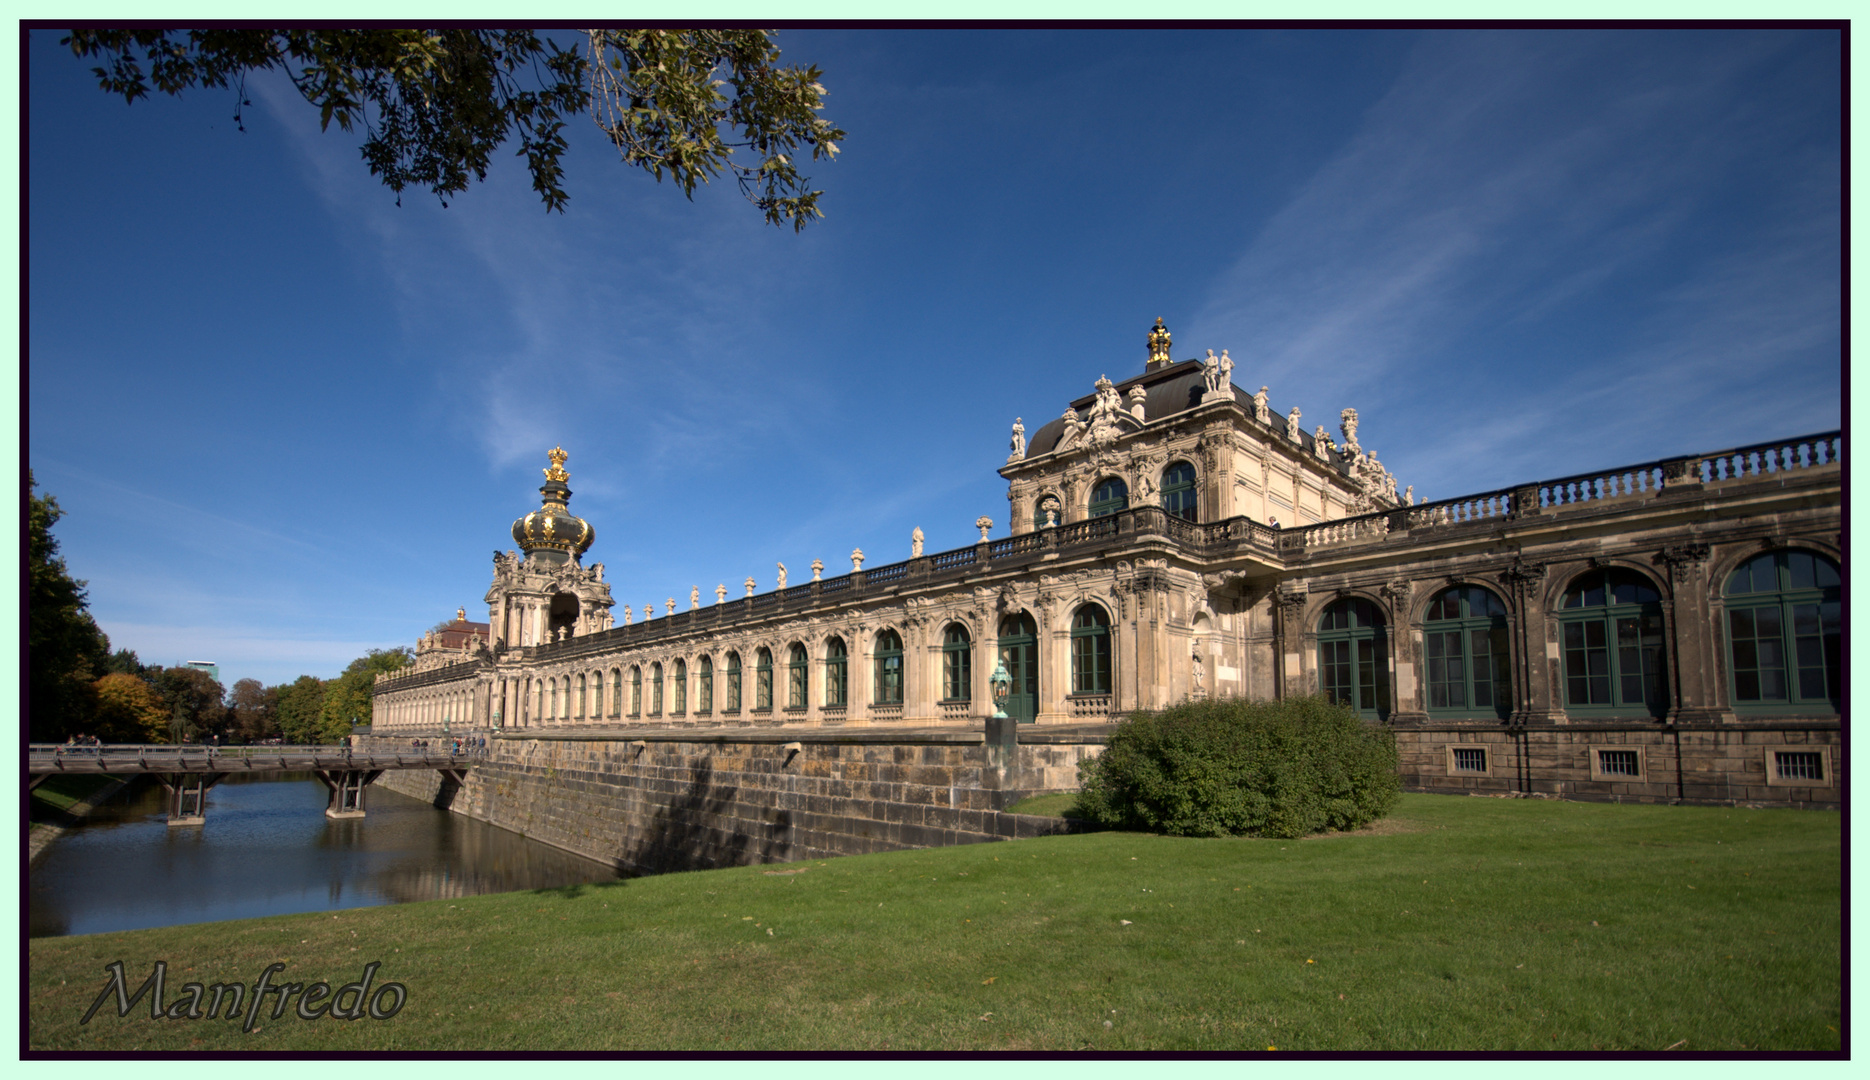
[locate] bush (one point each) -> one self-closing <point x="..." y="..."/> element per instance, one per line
<point x="1232" y="767"/>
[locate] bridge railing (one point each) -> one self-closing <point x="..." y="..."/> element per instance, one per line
<point x="161" y="757"/>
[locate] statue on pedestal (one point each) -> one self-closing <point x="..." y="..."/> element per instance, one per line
<point x="1019" y="442"/>
<point x="915" y="543"/>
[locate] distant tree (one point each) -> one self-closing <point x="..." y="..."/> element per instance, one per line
<point x="193" y="699"/>
<point x="125" y="662"/>
<point x="435" y="104"/>
<point x="348" y="701"/>
<point x="66" y="652"/>
<point x="297" y="707"/>
<point x="250" y="709"/>
<point x="129" y="711"/>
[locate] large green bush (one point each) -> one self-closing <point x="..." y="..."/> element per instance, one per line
<point x="1232" y="767"/>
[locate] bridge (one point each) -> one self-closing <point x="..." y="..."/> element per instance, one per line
<point x="187" y="772"/>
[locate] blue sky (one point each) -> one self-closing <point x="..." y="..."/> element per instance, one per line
<point x="290" y="421"/>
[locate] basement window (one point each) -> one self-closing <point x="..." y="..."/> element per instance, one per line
<point x="1618" y="765"/>
<point x="1468" y="759"/>
<point x="1794" y="766"/>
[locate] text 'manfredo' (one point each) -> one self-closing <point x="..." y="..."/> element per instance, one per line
<point x="316" y="1001"/>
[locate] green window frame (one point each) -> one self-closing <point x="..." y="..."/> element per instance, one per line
<point x="733" y="683"/>
<point x="552" y="712"/>
<point x="581" y="696"/>
<point x="1467" y="670"/>
<point x="636" y="690"/>
<point x="616" y="692"/>
<point x="889" y="668"/>
<point x="1784" y="633"/>
<point x="837" y="672"/>
<point x="1090" y="651"/>
<point x="1611" y="635"/>
<point x="1353" y="657"/>
<point x="704" y="675"/>
<point x="1109" y="496"/>
<point x="797" y="685"/>
<point x="680" y="704"/>
<point x="655" y="689"/>
<point x="957" y="664"/>
<point x="1179" y="494"/>
<point x="763" y="680"/>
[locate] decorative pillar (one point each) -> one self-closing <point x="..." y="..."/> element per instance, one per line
<point x="1537" y="659"/>
<point x="1694" y="637"/>
<point x="1290" y="638"/>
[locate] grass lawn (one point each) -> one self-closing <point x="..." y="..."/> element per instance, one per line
<point x="1455" y="924"/>
<point x="60" y="793"/>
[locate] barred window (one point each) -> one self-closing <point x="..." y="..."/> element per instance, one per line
<point x="1470" y="759"/>
<point x="1618" y="763"/>
<point x="1799" y="764"/>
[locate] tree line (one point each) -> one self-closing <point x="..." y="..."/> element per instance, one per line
<point x="79" y="687"/>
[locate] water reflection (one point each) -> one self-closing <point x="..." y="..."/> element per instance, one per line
<point x="268" y="849"/>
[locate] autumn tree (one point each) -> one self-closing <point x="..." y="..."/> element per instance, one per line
<point x="250" y="708"/>
<point x="193" y="699"/>
<point x="65" y="650"/>
<point x="434" y="105"/>
<point x="129" y="711"/>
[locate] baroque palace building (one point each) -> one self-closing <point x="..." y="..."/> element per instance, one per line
<point x="1665" y="631"/>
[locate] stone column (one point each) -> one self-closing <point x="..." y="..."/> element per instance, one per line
<point x="1695" y="636"/>
<point x="1406" y="656"/>
<point x="1289" y="613"/>
<point x="1537" y="667"/>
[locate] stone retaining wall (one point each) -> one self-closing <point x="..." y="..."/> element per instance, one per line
<point x="656" y="802"/>
<point x="1687" y="765"/>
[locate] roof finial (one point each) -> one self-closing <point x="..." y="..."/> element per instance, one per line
<point x="557" y="471"/>
<point x="1158" y="347"/>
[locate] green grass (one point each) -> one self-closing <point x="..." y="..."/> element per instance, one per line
<point x="61" y="793"/>
<point x="1059" y="804"/>
<point x="1456" y="924"/>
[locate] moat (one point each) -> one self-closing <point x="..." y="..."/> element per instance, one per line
<point x="268" y="849"/>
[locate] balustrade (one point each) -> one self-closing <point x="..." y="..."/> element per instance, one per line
<point x="1803" y="452"/>
<point x="958" y="557"/>
<point x="884" y="574"/>
<point x="1089" y="706"/>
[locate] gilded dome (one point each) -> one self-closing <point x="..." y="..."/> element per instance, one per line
<point x="552" y="533"/>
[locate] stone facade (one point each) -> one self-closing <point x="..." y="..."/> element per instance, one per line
<point x="1172" y="537"/>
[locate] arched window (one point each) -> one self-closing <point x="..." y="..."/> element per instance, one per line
<point x="1019" y="650"/>
<point x="1464" y="648"/>
<point x="636" y="690"/>
<point x="704" y="672"/>
<point x="795" y="677"/>
<point x="763" y="680"/>
<point x="889" y="678"/>
<point x="552" y="709"/>
<point x="957" y="662"/>
<point x="1109" y="496"/>
<point x="1783" y="631"/>
<point x="733" y="682"/>
<point x="837" y="672"/>
<point x="1178" y="490"/>
<point x="1353" y="657"/>
<point x="581" y="696"/>
<point x="1090" y="651"/>
<point x="1610" y="626"/>
<point x="655" y="689"/>
<point x="681" y="688"/>
<point x="616" y="692"/>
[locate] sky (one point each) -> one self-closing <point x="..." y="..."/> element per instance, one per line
<point x="289" y="420"/>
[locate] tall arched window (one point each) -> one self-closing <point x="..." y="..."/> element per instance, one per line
<point x="837" y="672"/>
<point x="1464" y="649"/>
<point x="733" y="682"/>
<point x="1090" y="651"/>
<point x="1783" y="632"/>
<point x="616" y="692"/>
<point x="1178" y="490"/>
<point x="636" y="690"/>
<point x="552" y="710"/>
<point x="796" y="682"/>
<point x="957" y="662"/>
<point x="1109" y="496"/>
<point x="889" y="677"/>
<point x="1353" y="657"/>
<point x="681" y="688"/>
<point x="581" y="696"/>
<point x="1019" y="651"/>
<point x="655" y="689"/>
<point x="763" y="680"/>
<point x="1610" y="625"/>
<point x="704" y="694"/>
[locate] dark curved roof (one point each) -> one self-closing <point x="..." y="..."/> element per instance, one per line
<point x="1174" y="389"/>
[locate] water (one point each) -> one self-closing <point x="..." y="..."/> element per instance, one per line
<point x="268" y="849"/>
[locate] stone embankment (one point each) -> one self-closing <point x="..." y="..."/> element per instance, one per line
<point x="42" y="833"/>
<point x="649" y="801"/>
